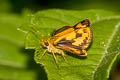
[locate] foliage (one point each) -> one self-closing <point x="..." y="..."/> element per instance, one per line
<point x="101" y="54"/>
<point x="16" y="63"/>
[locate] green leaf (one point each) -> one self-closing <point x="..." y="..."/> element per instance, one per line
<point x="111" y="48"/>
<point x="115" y="69"/>
<point x="101" y="54"/>
<point x="16" y="63"/>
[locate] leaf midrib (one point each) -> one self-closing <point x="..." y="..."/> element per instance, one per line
<point x="109" y="41"/>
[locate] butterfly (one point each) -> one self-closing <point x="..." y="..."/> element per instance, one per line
<point x="74" y="39"/>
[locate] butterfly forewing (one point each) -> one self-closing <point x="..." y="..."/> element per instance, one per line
<point x="77" y="37"/>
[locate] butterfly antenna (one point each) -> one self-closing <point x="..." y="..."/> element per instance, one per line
<point x="36" y="32"/>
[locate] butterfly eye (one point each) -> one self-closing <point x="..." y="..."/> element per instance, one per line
<point x="46" y="44"/>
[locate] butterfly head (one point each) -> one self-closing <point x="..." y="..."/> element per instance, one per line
<point x="45" y="43"/>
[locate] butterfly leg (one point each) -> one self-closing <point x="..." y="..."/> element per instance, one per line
<point x="43" y="54"/>
<point x="63" y="55"/>
<point x="55" y="59"/>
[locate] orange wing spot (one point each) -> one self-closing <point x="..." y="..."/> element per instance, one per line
<point x="70" y="36"/>
<point x="88" y="30"/>
<point x="78" y="25"/>
<point x="80" y="31"/>
<point x="78" y="41"/>
<point x="85" y="35"/>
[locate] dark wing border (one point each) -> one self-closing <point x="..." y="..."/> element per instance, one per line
<point x="61" y="29"/>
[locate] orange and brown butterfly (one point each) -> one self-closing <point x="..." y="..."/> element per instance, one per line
<point x="74" y="39"/>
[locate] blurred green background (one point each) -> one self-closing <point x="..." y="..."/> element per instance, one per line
<point x="21" y="65"/>
<point x="18" y="5"/>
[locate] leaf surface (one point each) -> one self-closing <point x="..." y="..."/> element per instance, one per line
<point x="101" y="53"/>
<point x="16" y="63"/>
